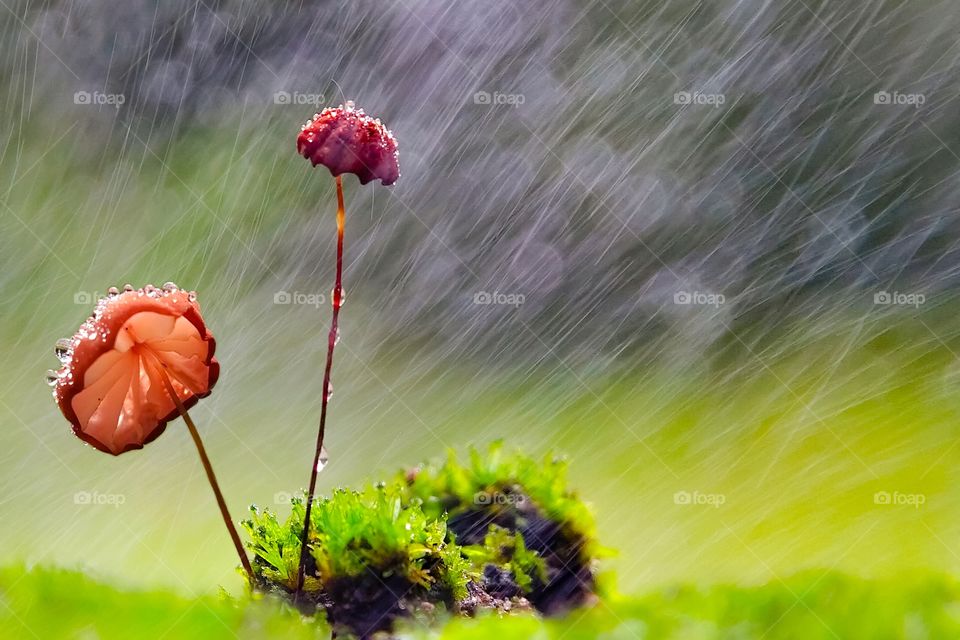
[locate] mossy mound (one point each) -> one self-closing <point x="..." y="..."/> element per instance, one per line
<point x="500" y="533"/>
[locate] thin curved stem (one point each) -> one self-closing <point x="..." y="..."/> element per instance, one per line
<point x="331" y="343"/>
<point x="211" y="476"/>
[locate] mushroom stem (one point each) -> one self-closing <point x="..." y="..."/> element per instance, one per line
<point x="211" y="476"/>
<point x="331" y="343"/>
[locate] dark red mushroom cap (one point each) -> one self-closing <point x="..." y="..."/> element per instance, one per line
<point x="346" y="140"/>
<point x="111" y="385"/>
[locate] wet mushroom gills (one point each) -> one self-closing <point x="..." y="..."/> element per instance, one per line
<point x="142" y="359"/>
<point x="345" y="140"/>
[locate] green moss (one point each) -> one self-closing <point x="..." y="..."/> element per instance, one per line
<point x="492" y="479"/>
<point x="518" y="514"/>
<point x="353" y="532"/>
<point x="507" y="550"/>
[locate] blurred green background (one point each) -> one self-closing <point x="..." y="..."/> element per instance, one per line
<point x="798" y="425"/>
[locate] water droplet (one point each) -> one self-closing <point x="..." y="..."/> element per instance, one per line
<point x="336" y="340"/>
<point x="128" y="287"/>
<point x="52" y="378"/>
<point x="192" y="296"/>
<point x="62" y="349"/>
<point x="329" y="391"/>
<point x="170" y="287"/>
<point x="113" y="291"/>
<point x="343" y="297"/>
<point x="323" y="460"/>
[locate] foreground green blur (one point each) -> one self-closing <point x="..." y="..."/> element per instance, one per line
<point x="817" y="605"/>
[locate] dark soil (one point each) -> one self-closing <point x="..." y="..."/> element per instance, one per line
<point x="500" y="584"/>
<point x="361" y="606"/>
<point x="369" y="603"/>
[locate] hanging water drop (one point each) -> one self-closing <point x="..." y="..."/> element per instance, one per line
<point x="329" y="391"/>
<point x="170" y="287"/>
<point x="128" y="287"/>
<point x="323" y="459"/>
<point x="52" y="378"/>
<point x="62" y="349"/>
<point x="113" y="291"/>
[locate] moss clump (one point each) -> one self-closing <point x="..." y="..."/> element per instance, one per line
<point x="375" y="558"/>
<point x="516" y="514"/>
<point x="501" y="532"/>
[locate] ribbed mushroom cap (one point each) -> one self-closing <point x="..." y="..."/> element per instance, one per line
<point x="346" y="140"/>
<point x="111" y="386"/>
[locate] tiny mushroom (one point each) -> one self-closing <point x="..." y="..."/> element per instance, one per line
<point x="344" y="140"/>
<point x="141" y="360"/>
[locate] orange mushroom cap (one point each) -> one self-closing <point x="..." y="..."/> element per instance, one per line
<point x="111" y="386"/>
